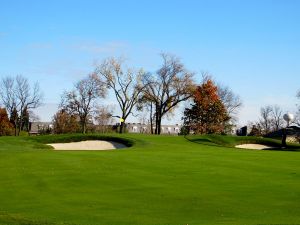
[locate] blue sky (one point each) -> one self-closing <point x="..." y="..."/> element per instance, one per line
<point x="251" y="46"/>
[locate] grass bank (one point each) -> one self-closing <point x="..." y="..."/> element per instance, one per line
<point x="232" y="141"/>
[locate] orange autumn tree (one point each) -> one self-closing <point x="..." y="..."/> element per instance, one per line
<point x="65" y="122"/>
<point x="5" y="126"/>
<point x="207" y="113"/>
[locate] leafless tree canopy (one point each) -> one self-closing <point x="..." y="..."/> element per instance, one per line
<point x="277" y="118"/>
<point x="7" y="93"/>
<point x="81" y="100"/>
<point x="171" y="85"/>
<point x="103" y="115"/>
<point x="33" y="117"/>
<point x="147" y="107"/>
<point x="265" y="120"/>
<point x="103" y="118"/>
<point x="297" y="118"/>
<point x="231" y="101"/>
<point x="297" y="115"/>
<point x="17" y="96"/>
<point x="125" y="83"/>
<point x="271" y="118"/>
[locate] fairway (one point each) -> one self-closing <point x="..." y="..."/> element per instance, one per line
<point x="161" y="180"/>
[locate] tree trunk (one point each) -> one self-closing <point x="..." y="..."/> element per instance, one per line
<point x="84" y="128"/>
<point x="121" y="127"/>
<point x="15" y="126"/>
<point x="156" y="124"/>
<point x="156" y="118"/>
<point x="15" y="122"/>
<point x="151" y="119"/>
<point x="159" y="125"/>
<point x="151" y="125"/>
<point x="20" y="126"/>
<point x="83" y="125"/>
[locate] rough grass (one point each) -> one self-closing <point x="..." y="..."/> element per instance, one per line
<point x="159" y="180"/>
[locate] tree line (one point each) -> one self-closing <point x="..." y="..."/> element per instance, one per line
<point x="212" y="107"/>
<point x="158" y="93"/>
<point x="271" y="120"/>
<point x="18" y="98"/>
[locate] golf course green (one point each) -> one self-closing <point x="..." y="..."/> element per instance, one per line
<point x="157" y="180"/>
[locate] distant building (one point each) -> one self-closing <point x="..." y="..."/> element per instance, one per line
<point x="144" y="128"/>
<point x="36" y="128"/>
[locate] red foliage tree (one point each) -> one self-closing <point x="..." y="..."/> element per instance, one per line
<point x="207" y="113"/>
<point x="5" y="126"/>
<point x="65" y="122"/>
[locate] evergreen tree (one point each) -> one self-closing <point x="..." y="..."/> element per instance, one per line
<point x="14" y="118"/>
<point x="25" y="120"/>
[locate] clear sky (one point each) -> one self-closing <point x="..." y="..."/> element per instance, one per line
<point x="251" y="46"/>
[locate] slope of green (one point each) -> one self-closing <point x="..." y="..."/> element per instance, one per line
<point x="231" y="141"/>
<point x="159" y="180"/>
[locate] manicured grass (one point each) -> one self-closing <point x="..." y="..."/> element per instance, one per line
<point x="159" y="180"/>
<point x="231" y="141"/>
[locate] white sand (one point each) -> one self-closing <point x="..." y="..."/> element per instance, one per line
<point x="88" y="145"/>
<point x="254" y="146"/>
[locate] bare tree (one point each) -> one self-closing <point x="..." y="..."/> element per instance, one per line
<point x="171" y="85"/>
<point x="81" y="100"/>
<point x="297" y="118"/>
<point x="266" y="119"/>
<point x="271" y="118"/>
<point x="297" y="114"/>
<point x="125" y="83"/>
<point x="147" y="106"/>
<point x="7" y="93"/>
<point x="277" y="117"/>
<point x="33" y="117"/>
<point x="103" y="117"/>
<point x="18" y="97"/>
<point x="8" y="98"/>
<point x="26" y="99"/>
<point x="231" y="101"/>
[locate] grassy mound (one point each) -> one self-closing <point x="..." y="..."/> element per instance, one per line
<point x="39" y="142"/>
<point x="165" y="180"/>
<point x="79" y="137"/>
<point x="232" y="141"/>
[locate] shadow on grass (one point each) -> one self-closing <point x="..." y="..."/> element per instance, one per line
<point x="232" y="141"/>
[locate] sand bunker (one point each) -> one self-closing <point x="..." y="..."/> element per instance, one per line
<point x="88" y="145"/>
<point x="254" y="146"/>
